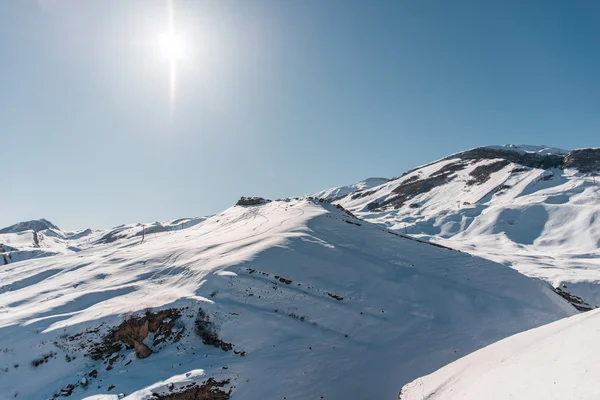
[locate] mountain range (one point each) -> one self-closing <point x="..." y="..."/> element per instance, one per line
<point x="353" y="292"/>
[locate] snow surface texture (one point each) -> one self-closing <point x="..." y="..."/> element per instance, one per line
<point x="40" y="238"/>
<point x="341" y="191"/>
<point x="314" y="304"/>
<point x="557" y="361"/>
<point x="543" y="222"/>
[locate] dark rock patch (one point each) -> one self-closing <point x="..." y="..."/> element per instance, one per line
<point x="134" y="331"/>
<point x="282" y="279"/>
<point x="352" y="223"/>
<point x="533" y="160"/>
<point x="342" y="209"/>
<point x="335" y="296"/>
<point x="250" y="201"/>
<point x="412" y="188"/>
<point x="584" y="160"/>
<point x="576" y="301"/>
<point x="43" y="359"/>
<point x="482" y="173"/>
<point x="209" y="390"/>
<point x="208" y="332"/>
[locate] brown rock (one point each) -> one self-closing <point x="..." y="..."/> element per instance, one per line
<point x="141" y="350"/>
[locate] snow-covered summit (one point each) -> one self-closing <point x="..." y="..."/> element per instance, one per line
<point x="33" y="225"/>
<point x="526" y="148"/>
<point x="534" y="208"/>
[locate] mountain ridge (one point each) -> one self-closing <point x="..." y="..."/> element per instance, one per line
<point x="289" y="298"/>
<point x="540" y="219"/>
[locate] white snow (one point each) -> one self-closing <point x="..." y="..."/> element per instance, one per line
<point x="322" y="304"/>
<point x="337" y="192"/>
<point x="544" y="223"/>
<point x="19" y="242"/>
<point x="557" y="361"/>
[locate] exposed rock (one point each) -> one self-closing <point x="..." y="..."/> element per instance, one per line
<point x="576" y="301"/>
<point x="207" y="330"/>
<point x="66" y="391"/>
<point x="335" y="296"/>
<point x="339" y="207"/>
<point x="209" y="390"/>
<point x="532" y="160"/>
<point x="135" y="330"/>
<point x="141" y="350"/>
<point x="411" y="188"/>
<point x="250" y="201"/>
<point x="584" y="160"/>
<point x="482" y="173"/>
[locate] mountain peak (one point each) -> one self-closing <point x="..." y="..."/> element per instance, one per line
<point x="530" y="149"/>
<point x="33" y="225"/>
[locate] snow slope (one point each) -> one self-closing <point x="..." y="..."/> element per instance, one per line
<point x="557" y="361"/>
<point x="341" y="191"/>
<point x="538" y="218"/>
<point x="41" y="238"/>
<point x="291" y="299"/>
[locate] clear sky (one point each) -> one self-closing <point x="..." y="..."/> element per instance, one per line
<point x="273" y="98"/>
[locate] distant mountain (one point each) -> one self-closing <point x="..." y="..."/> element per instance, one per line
<point x="34" y="225"/>
<point x="41" y="238"/>
<point x="535" y="208"/>
<point x="348" y="293"/>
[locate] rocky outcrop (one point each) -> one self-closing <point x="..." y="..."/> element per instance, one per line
<point x="482" y="173"/>
<point x="584" y="160"/>
<point x="251" y="201"/>
<point x="533" y="160"/>
<point x="209" y="390"/>
<point x="135" y="330"/>
<point x="414" y="187"/>
<point x="576" y="301"/>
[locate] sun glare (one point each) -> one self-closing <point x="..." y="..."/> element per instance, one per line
<point x="171" y="46"/>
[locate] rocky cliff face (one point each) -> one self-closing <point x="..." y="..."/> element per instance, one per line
<point x="584" y="160"/>
<point x="532" y="160"/>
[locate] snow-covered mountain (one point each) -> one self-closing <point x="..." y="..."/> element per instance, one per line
<point x="34" y="225"/>
<point x="290" y="299"/>
<point x="41" y="238"/>
<point x="341" y="191"/>
<point x="556" y="361"/>
<point x="535" y="208"/>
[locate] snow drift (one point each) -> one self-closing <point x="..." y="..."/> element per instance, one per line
<point x="556" y="361"/>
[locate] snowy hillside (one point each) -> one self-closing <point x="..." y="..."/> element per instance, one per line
<point x="41" y="238"/>
<point x="530" y="207"/>
<point x="341" y="191"/>
<point x="290" y="299"/>
<point x="556" y="361"/>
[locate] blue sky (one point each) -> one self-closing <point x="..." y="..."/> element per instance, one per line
<point x="273" y="98"/>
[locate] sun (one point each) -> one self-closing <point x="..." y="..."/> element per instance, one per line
<point x="171" y="46"/>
